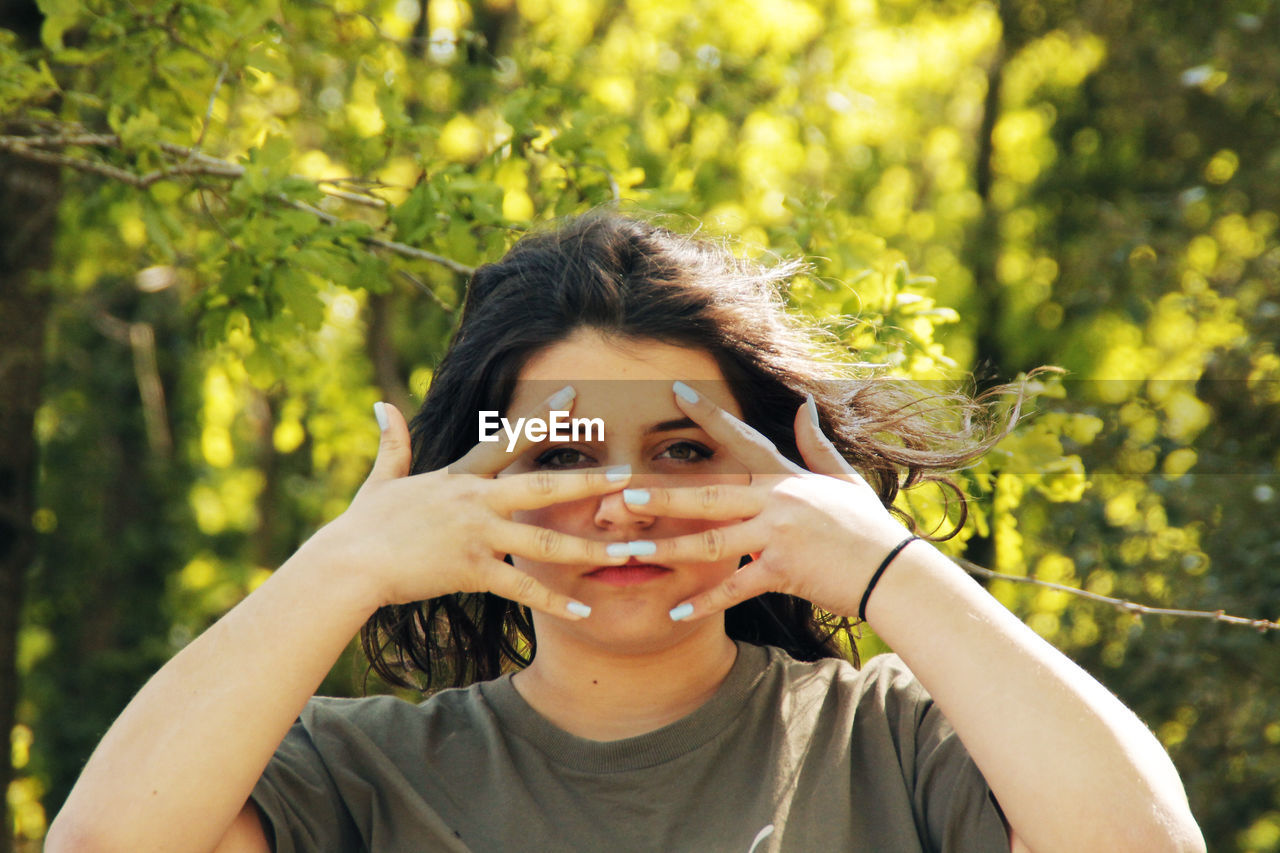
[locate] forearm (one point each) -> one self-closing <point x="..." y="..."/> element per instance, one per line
<point x="177" y="766"/>
<point x="1073" y="768"/>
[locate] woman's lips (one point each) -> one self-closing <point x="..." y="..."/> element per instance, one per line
<point x="628" y="574"/>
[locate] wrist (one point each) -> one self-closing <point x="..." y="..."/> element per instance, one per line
<point x="328" y="566"/>
<point x="879" y="572"/>
<point x="924" y="586"/>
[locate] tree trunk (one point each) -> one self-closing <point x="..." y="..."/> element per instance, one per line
<point x="984" y="241"/>
<point x="28" y="204"/>
<point x="983" y="247"/>
<point x="29" y="196"/>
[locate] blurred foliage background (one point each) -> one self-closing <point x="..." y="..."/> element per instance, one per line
<point x="230" y="227"/>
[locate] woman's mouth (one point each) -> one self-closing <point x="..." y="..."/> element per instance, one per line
<point x="630" y="573"/>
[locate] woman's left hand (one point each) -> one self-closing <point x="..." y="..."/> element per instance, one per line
<point x="817" y="534"/>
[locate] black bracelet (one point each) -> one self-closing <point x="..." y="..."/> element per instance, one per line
<point x="862" y="608"/>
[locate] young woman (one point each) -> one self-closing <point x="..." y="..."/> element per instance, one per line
<point x="653" y="622"/>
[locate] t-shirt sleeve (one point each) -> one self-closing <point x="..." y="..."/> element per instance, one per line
<point x="951" y="794"/>
<point x="300" y="804"/>
<point x="951" y="802"/>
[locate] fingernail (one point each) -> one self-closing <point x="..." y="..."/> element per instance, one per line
<point x="684" y="392"/>
<point x="684" y="611"/>
<point x="617" y="473"/>
<point x="639" y="497"/>
<point x="638" y="548"/>
<point x="562" y="398"/>
<point x="577" y="608"/>
<point x="813" y="412"/>
<point x="380" y="412"/>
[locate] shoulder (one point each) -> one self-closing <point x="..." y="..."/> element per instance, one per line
<point x="389" y="722"/>
<point x="383" y="707"/>
<point x="879" y="703"/>
<point x="883" y="681"/>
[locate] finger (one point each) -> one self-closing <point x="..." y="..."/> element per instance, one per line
<point x="742" y="441"/>
<point x="714" y="501"/>
<point x="537" y="489"/>
<point x="489" y="457"/>
<point x="819" y="453"/>
<point x="551" y="546"/>
<point x="747" y="582"/>
<point x="713" y="544"/>
<point x="505" y="580"/>
<point x="394" y="451"/>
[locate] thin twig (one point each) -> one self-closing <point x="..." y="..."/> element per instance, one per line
<point x="21" y="146"/>
<point x="390" y="245"/>
<point x="431" y="294"/>
<point x="208" y="110"/>
<point x="197" y="163"/>
<point x="354" y="198"/>
<point x="217" y="223"/>
<point x="1262" y="625"/>
<point x="185" y="45"/>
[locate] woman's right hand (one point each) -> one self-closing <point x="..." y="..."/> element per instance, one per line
<point x="447" y="531"/>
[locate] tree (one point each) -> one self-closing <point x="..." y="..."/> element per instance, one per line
<point x="266" y="213"/>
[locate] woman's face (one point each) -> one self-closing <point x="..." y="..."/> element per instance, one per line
<point x="627" y="384"/>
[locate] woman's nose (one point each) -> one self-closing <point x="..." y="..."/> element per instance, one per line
<point x="613" y="513"/>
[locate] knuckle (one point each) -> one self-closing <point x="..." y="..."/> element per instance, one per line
<point x="524" y="587"/>
<point x="548" y="543"/>
<point x="748" y="434"/>
<point x="785" y="524"/>
<point x="713" y="543"/>
<point x="708" y="497"/>
<point x="542" y="483"/>
<point x="470" y="489"/>
<point x="393" y="443"/>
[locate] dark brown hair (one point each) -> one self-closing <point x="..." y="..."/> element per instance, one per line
<point x="633" y="280"/>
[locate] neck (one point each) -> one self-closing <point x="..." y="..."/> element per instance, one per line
<point x="592" y="692"/>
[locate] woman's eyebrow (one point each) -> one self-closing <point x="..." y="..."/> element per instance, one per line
<point x="668" y="426"/>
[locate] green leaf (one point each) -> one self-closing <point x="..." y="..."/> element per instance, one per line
<point x="415" y="216"/>
<point x="299" y="296"/>
<point x="59" y="16"/>
<point x="140" y="130"/>
<point x="237" y="274"/>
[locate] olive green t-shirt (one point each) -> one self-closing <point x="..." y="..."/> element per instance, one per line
<point x="785" y="756"/>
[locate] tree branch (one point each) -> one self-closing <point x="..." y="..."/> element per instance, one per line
<point x="1262" y="625"/>
<point x="194" y="162"/>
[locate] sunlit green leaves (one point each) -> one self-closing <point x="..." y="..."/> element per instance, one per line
<point x="1115" y="214"/>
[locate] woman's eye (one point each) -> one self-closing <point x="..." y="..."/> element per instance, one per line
<point x="562" y="457"/>
<point x="687" y="451"/>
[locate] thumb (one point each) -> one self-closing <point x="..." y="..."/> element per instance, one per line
<point x="394" y="454"/>
<point x="819" y="454"/>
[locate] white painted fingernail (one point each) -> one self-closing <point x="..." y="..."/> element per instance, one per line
<point x="684" y="611"/>
<point x="617" y="473"/>
<point x="562" y="398"/>
<point x="813" y="412"/>
<point x="577" y="608"/>
<point x="380" y="412"/>
<point x="684" y="392"/>
<point x="637" y="497"/>
<point x="638" y="548"/>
